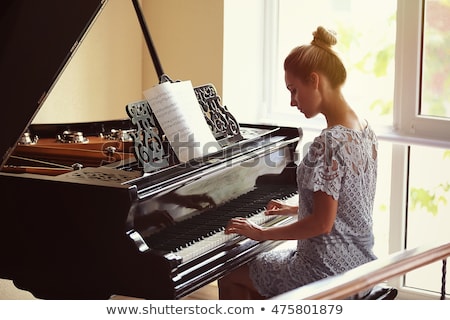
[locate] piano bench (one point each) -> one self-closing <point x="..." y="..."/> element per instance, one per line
<point x="380" y="292"/>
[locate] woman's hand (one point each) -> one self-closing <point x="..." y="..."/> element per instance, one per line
<point x="319" y="222"/>
<point x="246" y="228"/>
<point x="276" y="207"/>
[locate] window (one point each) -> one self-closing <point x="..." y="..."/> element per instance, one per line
<point x="366" y="49"/>
<point x="428" y="208"/>
<point x="421" y="114"/>
<point x="396" y="53"/>
<point x="368" y="53"/>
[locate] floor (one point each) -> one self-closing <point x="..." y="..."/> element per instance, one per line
<point x="9" y="292"/>
<point x="208" y="292"/>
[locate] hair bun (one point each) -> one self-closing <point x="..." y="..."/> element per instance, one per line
<point x="324" y="37"/>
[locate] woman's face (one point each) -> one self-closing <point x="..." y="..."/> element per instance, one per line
<point x="304" y="94"/>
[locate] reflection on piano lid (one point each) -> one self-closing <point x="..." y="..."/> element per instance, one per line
<point x="88" y="213"/>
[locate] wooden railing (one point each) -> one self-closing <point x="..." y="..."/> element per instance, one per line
<point x="370" y="274"/>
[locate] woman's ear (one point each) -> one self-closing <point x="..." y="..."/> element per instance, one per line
<point x="315" y="79"/>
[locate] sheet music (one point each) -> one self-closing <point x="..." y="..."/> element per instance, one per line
<point x="178" y="112"/>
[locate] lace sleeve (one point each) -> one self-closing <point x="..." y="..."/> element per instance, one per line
<point x="323" y="167"/>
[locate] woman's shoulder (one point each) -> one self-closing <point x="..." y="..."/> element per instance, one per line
<point x="334" y="133"/>
<point x="345" y="134"/>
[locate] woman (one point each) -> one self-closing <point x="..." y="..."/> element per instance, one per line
<point x="336" y="184"/>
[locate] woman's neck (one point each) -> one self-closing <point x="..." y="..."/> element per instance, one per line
<point x="338" y="112"/>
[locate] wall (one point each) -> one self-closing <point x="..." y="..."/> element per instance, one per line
<point x="113" y="66"/>
<point x="188" y="36"/>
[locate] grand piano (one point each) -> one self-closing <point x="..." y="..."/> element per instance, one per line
<point x="95" y="209"/>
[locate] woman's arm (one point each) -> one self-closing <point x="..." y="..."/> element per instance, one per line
<point x="320" y="221"/>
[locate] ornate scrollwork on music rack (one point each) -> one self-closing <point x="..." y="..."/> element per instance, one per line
<point x="147" y="139"/>
<point x="222" y="123"/>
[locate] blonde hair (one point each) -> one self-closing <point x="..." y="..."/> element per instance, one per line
<point x="317" y="57"/>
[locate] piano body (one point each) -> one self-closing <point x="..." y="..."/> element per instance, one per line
<point x="107" y="220"/>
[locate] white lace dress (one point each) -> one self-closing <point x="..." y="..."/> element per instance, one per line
<point x="343" y="163"/>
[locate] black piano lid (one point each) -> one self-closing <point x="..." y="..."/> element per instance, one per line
<point x="38" y="39"/>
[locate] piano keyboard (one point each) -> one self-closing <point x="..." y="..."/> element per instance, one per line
<point x="195" y="236"/>
<point x="219" y="238"/>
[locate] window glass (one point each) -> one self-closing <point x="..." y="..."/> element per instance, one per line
<point x="428" y="210"/>
<point x="366" y="43"/>
<point x="436" y="63"/>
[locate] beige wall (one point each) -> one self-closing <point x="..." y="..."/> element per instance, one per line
<point x="188" y="36"/>
<point x="112" y="66"/>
